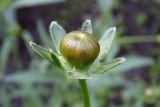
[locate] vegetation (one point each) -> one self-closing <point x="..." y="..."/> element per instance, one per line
<point x="27" y="80"/>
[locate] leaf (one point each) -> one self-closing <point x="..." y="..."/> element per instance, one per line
<point x="133" y="63"/>
<point x="4" y="97"/>
<point x="28" y="3"/>
<point x="27" y="37"/>
<point x="47" y="54"/>
<point x="105" y="42"/>
<point x="99" y="67"/>
<point x="35" y="75"/>
<point x="87" y="26"/>
<point x="46" y="41"/>
<point x="4" y="53"/>
<point x="24" y="77"/>
<point x="33" y="101"/>
<point x="56" y="101"/>
<point x="105" y="5"/>
<point x="57" y="34"/>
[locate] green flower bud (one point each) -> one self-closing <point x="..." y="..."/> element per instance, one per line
<point x="79" y="48"/>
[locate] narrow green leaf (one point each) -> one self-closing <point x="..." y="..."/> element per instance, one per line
<point x="46" y="53"/>
<point x="105" y="42"/>
<point x="27" y="37"/>
<point x="99" y="67"/>
<point x="26" y="77"/>
<point x="4" y="97"/>
<point x="36" y="75"/>
<point x="46" y="41"/>
<point x="56" y="101"/>
<point x="133" y="63"/>
<point x="33" y="101"/>
<point x="4" y="53"/>
<point x="29" y="3"/>
<point x="87" y="26"/>
<point x="57" y="34"/>
<point x="105" y="5"/>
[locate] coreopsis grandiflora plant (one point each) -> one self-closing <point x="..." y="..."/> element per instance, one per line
<point x="79" y="54"/>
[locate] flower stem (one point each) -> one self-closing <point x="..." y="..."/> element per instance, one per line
<point x="84" y="91"/>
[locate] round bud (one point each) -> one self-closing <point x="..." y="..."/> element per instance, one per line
<point x="79" y="48"/>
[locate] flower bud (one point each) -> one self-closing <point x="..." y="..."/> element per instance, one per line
<point x="79" y="48"/>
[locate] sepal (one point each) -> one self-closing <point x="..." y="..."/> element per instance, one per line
<point x="105" y="43"/>
<point x="46" y="53"/>
<point x="87" y="26"/>
<point x="57" y="33"/>
<point x="100" y="67"/>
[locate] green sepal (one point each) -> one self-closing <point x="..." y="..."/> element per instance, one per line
<point x="47" y="54"/>
<point x="87" y="26"/>
<point x="57" y="33"/>
<point x="95" y="69"/>
<point x="55" y="58"/>
<point x="99" y="67"/>
<point x="105" y="43"/>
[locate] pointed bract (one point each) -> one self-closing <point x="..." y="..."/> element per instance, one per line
<point x="104" y="67"/>
<point x="105" y="42"/>
<point x="57" y="34"/>
<point x="87" y="26"/>
<point x="47" y="54"/>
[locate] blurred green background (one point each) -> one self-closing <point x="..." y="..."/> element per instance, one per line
<point x="26" y="80"/>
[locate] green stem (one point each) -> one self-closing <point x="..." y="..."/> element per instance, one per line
<point x="84" y="91"/>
